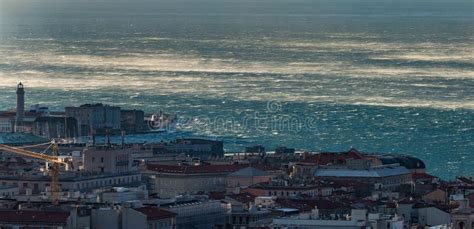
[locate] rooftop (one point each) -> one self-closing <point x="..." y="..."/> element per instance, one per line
<point x="154" y="213"/>
<point x="382" y="171"/>
<point x="248" y="172"/>
<point x="198" y="169"/>
<point x="44" y="217"/>
<point x="422" y="176"/>
<point x="20" y="138"/>
<point x="326" y="158"/>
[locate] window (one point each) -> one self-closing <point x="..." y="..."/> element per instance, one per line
<point x="93" y="159"/>
<point x="102" y="159"/>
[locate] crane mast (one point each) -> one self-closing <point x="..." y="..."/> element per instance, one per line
<point x="53" y="160"/>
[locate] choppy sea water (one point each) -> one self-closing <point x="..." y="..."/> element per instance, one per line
<point x="379" y="76"/>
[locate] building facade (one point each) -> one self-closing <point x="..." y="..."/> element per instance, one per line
<point x="95" y="118"/>
<point x="107" y="159"/>
<point x="132" y="121"/>
<point x="386" y="177"/>
<point x="172" y="180"/>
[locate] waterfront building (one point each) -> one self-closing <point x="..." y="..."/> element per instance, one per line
<point x="284" y="150"/>
<point x="132" y="121"/>
<point x="55" y="127"/>
<point x="191" y="147"/>
<point x="95" y="118"/>
<point x="257" y="149"/>
<point x="7" y="122"/>
<point x="40" y="124"/>
<point x="18" y="139"/>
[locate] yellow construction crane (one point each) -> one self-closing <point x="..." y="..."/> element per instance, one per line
<point x="52" y="159"/>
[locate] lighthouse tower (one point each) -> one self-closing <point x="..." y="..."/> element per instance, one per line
<point x="20" y="105"/>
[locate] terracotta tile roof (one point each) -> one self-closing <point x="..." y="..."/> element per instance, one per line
<point x="45" y="217"/>
<point x="305" y="205"/>
<point x="243" y="197"/>
<point x="332" y="158"/>
<point x="391" y="205"/>
<point x="154" y="213"/>
<point x="422" y="176"/>
<point x="6" y="114"/>
<point x="217" y="195"/>
<point x="199" y="169"/>
<point x="249" y="172"/>
<point x="266" y="167"/>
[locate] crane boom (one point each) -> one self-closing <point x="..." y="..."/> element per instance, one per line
<point x="55" y="163"/>
<point x="32" y="154"/>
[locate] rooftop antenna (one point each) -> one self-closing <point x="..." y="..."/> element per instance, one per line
<point x="123" y="139"/>
<point x="107" y="132"/>
<point x="93" y="139"/>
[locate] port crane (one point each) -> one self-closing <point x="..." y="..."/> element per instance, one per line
<point x="52" y="159"/>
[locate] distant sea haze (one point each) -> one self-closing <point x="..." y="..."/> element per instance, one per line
<point x="379" y="76"/>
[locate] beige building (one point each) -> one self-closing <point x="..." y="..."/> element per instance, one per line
<point x="435" y="196"/>
<point x="70" y="182"/>
<point x="282" y="191"/>
<point x="107" y="159"/>
<point x="246" y="177"/>
<point x="172" y="180"/>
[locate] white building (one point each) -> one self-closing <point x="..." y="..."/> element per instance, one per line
<point x="358" y="219"/>
<point x="386" y="176"/>
<point x="197" y="213"/>
<point x="7" y="191"/>
<point x="121" y="194"/>
<point x="463" y="217"/>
